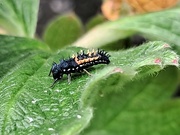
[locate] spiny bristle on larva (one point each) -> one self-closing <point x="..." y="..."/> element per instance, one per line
<point x="81" y="57"/>
<point x="73" y="56"/>
<point x="82" y="52"/>
<point x="89" y="53"/>
<point x="93" y="53"/>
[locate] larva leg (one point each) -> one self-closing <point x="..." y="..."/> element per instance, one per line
<point x="87" y="72"/>
<point x="54" y="83"/>
<point x="69" y="78"/>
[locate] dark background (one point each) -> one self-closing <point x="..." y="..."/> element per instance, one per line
<point x="49" y="9"/>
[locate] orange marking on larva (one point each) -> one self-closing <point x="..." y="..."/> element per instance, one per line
<point x="76" y="60"/>
<point x="81" y="61"/>
<point x="86" y="60"/>
<point x="95" y="58"/>
<point x="89" y="53"/>
<point x="91" y="59"/>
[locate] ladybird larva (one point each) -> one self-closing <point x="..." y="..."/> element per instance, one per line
<point x="78" y="63"/>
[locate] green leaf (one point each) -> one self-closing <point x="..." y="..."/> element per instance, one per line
<point x="62" y="31"/>
<point x="19" y="17"/>
<point x="164" y="25"/>
<point x="14" y="50"/>
<point x="141" y="107"/>
<point x="29" y="106"/>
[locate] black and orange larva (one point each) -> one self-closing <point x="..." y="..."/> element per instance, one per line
<point x="78" y="63"/>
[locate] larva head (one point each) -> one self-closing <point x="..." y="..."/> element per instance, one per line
<point x="56" y="71"/>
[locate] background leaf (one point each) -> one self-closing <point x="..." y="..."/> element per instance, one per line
<point x="162" y="25"/>
<point x="62" y="31"/>
<point x="28" y="104"/>
<point x="19" y="17"/>
<point x="98" y="19"/>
